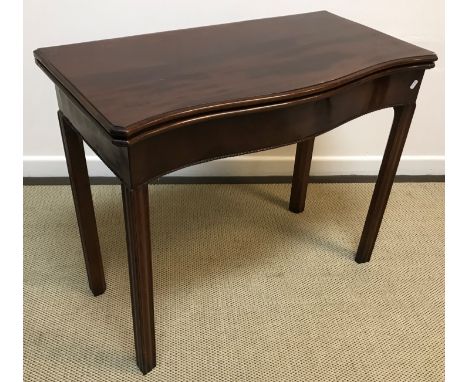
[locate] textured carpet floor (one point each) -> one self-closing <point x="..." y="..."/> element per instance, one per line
<point x="244" y="290"/>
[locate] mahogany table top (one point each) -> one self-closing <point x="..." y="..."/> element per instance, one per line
<point x="133" y="84"/>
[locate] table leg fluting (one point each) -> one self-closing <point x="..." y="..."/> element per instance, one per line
<point x="301" y="175"/>
<point x="396" y="141"/>
<point x="136" y="211"/>
<point x="79" y="181"/>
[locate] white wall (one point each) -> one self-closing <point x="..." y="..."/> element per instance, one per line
<point x="55" y="22"/>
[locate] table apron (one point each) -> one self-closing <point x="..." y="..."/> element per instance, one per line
<point x="114" y="156"/>
<point x="236" y="132"/>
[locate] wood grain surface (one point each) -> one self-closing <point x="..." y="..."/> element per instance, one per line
<point x="136" y="83"/>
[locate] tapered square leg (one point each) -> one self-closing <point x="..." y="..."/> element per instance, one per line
<point x="135" y="203"/>
<point x="79" y="181"/>
<point x="301" y="175"/>
<point x="396" y="141"/>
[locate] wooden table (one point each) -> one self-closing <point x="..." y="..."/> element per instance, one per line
<point x="151" y="104"/>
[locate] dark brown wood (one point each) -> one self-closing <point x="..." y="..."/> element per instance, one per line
<point x="388" y="168"/>
<point x="114" y="156"/>
<point x="184" y="73"/>
<point x="137" y="224"/>
<point x="79" y="181"/>
<point x="223" y="134"/>
<point x="149" y="105"/>
<point x="301" y="175"/>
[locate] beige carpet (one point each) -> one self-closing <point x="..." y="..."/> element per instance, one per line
<point x="244" y="289"/>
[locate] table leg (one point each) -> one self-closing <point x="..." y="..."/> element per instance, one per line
<point x="136" y="211"/>
<point x="79" y="181"/>
<point x="396" y="141"/>
<point x="301" y="175"/>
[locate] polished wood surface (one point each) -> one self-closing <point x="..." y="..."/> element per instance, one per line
<point x="137" y="83"/>
<point x="224" y="134"/>
<point x="300" y="179"/>
<point x="149" y="105"/>
<point x="81" y="190"/>
<point x="396" y="142"/>
<point x="135" y="204"/>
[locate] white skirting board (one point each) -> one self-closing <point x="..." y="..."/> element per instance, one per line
<point x="55" y="166"/>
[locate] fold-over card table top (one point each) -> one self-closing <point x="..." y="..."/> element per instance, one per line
<point x="134" y="84"/>
<point x="152" y="104"/>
